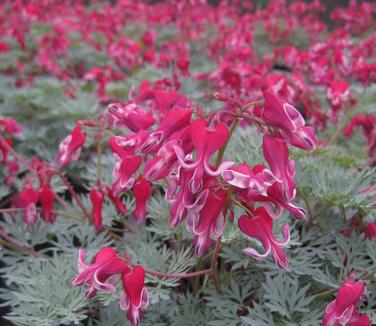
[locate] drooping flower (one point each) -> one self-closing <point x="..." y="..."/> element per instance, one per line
<point x="370" y="231"/>
<point x="97" y="199"/>
<point x="130" y="116"/>
<point x="206" y="140"/>
<point x="175" y="120"/>
<point x="160" y="166"/>
<point x="126" y="165"/>
<point x="260" y="227"/>
<point x="368" y="124"/>
<point x="179" y="195"/>
<point x="243" y="177"/>
<point x="142" y="191"/>
<point x="47" y="198"/>
<point x="70" y="147"/>
<point x="28" y="199"/>
<point x="343" y="310"/>
<point x="134" y="295"/>
<point x="275" y="187"/>
<point x="338" y="92"/>
<point x="5" y="148"/>
<point x="276" y="154"/>
<point x="13" y="169"/>
<point x="100" y="274"/>
<point x="282" y="115"/>
<point x="10" y="125"/>
<point x="208" y="219"/>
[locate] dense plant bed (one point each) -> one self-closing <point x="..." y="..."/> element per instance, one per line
<point x="183" y="163"/>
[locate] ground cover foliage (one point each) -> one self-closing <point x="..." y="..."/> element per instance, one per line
<point x="89" y="88"/>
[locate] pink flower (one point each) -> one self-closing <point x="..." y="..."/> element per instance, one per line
<point x="97" y="199"/>
<point x="100" y="274"/>
<point x="243" y="177"/>
<point x="260" y="227"/>
<point x="28" y="199"/>
<point x="175" y="120"/>
<point x="47" y="198"/>
<point x="207" y="219"/>
<point x="280" y="114"/>
<point x="343" y="311"/>
<point x="368" y="124"/>
<point x="142" y="191"/>
<point x="13" y="168"/>
<point x="160" y="166"/>
<point x="183" y="65"/>
<point x="179" y="195"/>
<point x="276" y="187"/>
<point x="207" y="140"/>
<point x="370" y="231"/>
<point x="276" y="154"/>
<point x="10" y="125"/>
<point x="134" y="295"/>
<point x="338" y="92"/>
<point x="126" y="165"/>
<point x="70" y="147"/>
<point x="5" y="147"/>
<point x="130" y="116"/>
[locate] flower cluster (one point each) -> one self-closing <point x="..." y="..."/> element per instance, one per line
<point x="163" y="141"/>
<point x="102" y="275"/>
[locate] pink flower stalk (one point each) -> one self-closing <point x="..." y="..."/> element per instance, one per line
<point x="130" y="116"/>
<point x="97" y="199"/>
<point x="47" y="198"/>
<point x="142" y="192"/>
<point x="134" y="295"/>
<point x="70" y="147"/>
<point x="260" y="227"/>
<point x="207" y="220"/>
<point x="207" y="140"/>
<point x="282" y="115"/>
<point x="120" y="206"/>
<point x="101" y="273"/>
<point x="343" y="310"/>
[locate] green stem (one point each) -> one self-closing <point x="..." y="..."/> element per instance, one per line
<point x="223" y="149"/>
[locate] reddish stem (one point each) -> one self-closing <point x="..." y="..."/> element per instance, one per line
<point x="15" y="243"/>
<point x="74" y="194"/>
